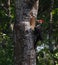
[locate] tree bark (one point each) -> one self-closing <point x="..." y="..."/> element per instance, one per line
<point x="24" y="52"/>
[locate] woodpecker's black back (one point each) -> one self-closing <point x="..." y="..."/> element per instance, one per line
<point x="37" y="35"/>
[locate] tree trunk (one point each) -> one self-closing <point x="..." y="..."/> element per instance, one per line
<point x="9" y="11"/>
<point x="24" y="52"/>
<point x="51" y="27"/>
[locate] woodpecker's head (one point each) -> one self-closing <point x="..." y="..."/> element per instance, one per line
<point x="40" y="21"/>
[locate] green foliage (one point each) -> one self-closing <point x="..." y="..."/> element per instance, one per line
<point x="6" y="41"/>
<point x="6" y="50"/>
<point x="46" y="56"/>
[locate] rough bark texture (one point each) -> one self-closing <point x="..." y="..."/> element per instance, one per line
<point x="24" y="52"/>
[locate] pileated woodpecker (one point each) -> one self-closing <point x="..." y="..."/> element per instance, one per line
<point x="37" y="35"/>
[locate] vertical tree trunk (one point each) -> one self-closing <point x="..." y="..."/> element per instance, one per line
<point x="24" y="52"/>
<point x="50" y="31"/>
<point x="51" y="27"/>
<point x="9" y="12"/>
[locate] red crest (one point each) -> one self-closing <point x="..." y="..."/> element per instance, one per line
<point x="40" y="21"/>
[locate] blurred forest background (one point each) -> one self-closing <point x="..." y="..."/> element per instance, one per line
<point x="47" y="50"/>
